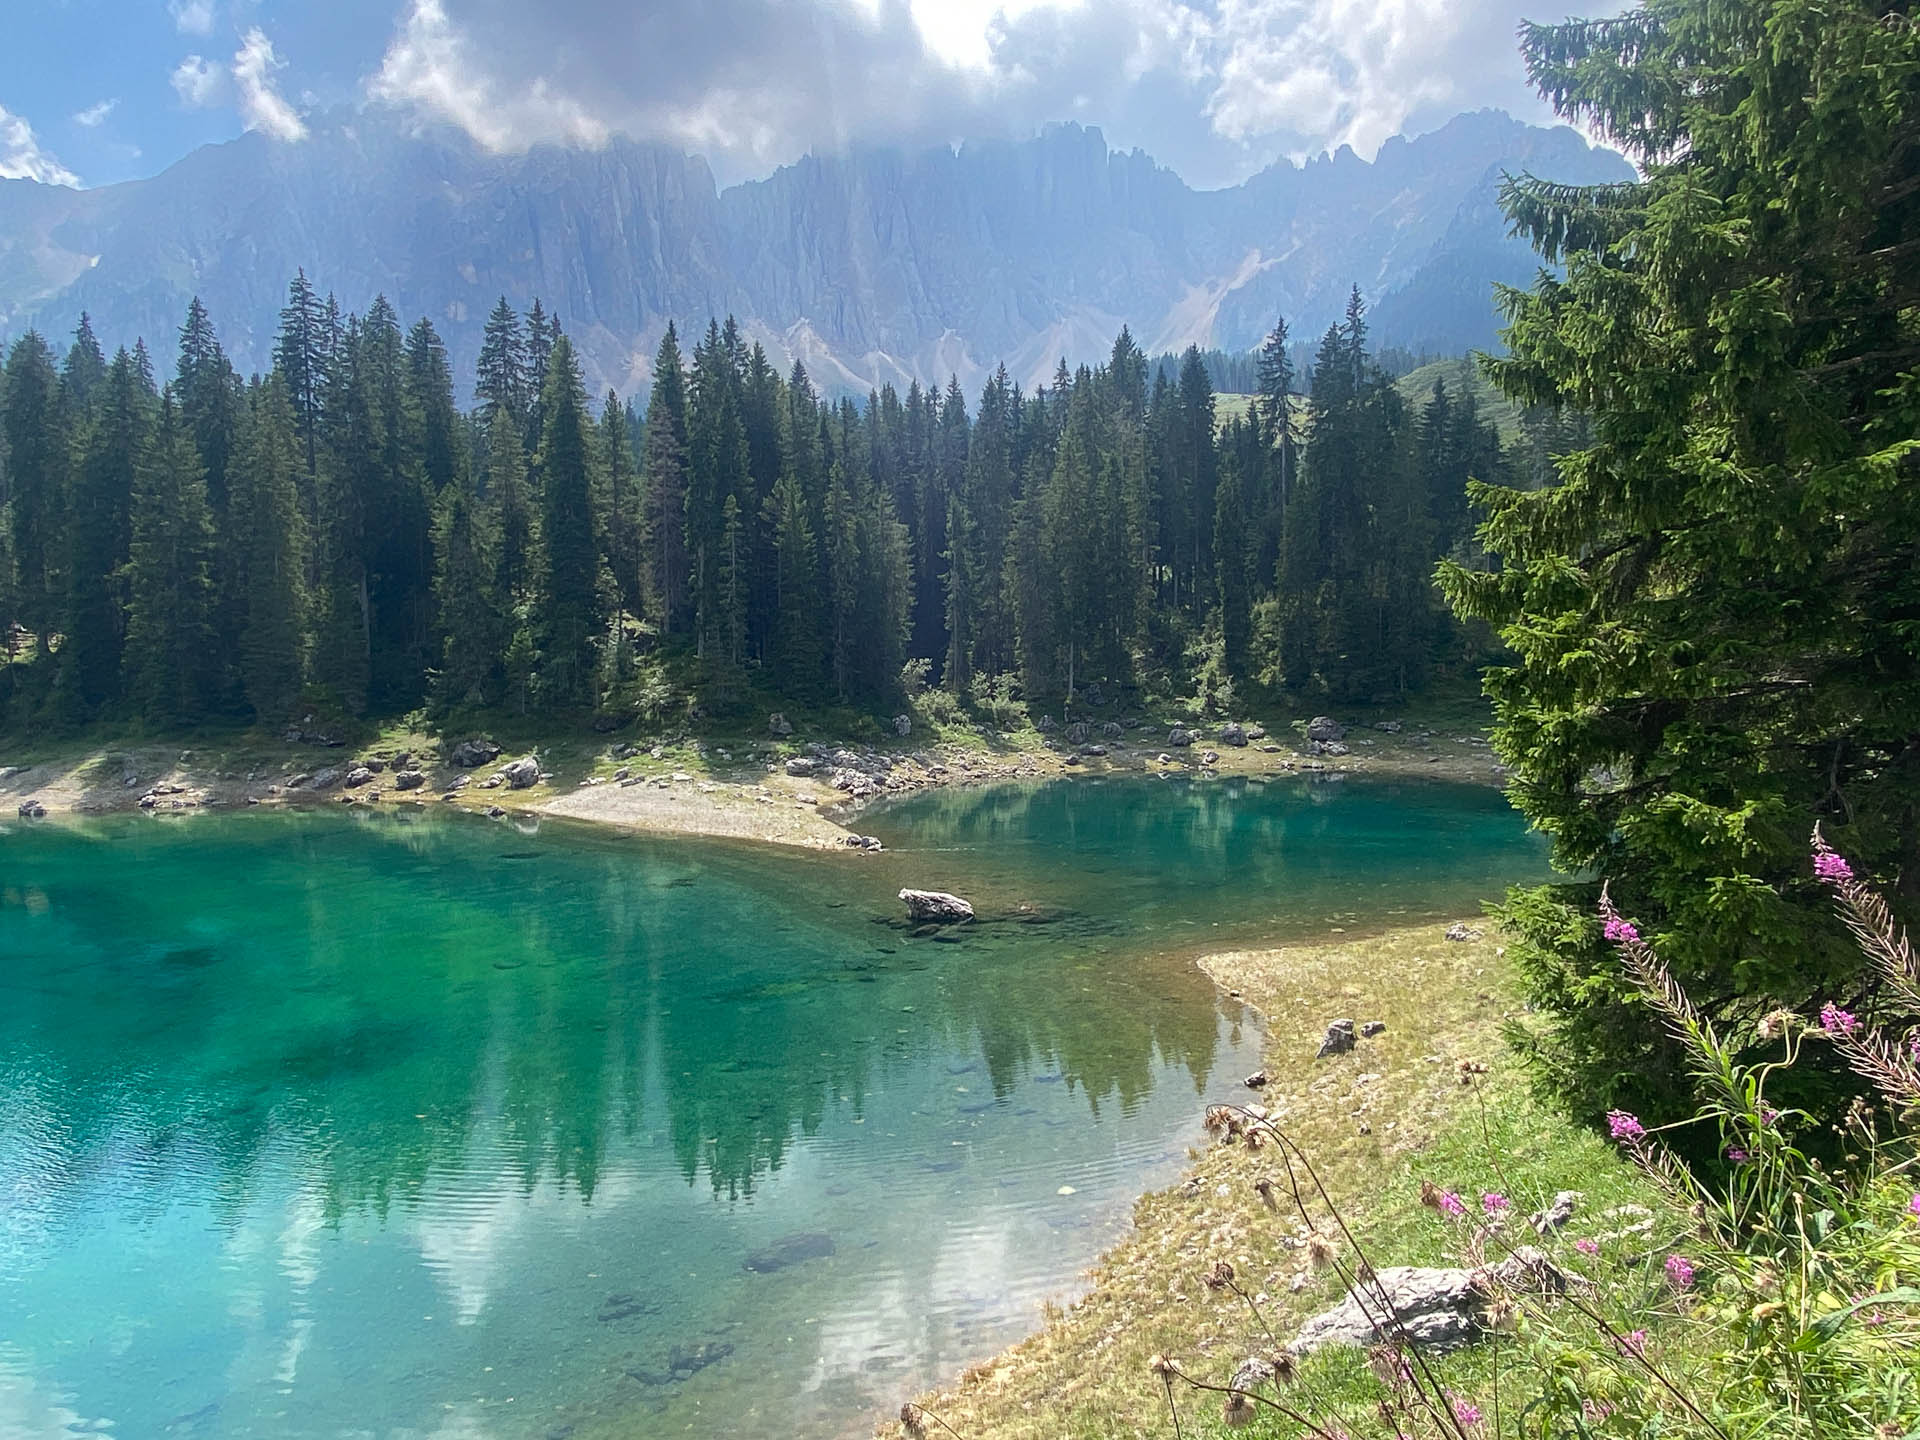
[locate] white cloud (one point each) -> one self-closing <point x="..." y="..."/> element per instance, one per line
<point x="430" y="64"/>
<point x="195" y="81"/>
<point x="262" y="107"/>
<point x="21" y="155"/>
<point x="192" y="17"/>
<point x="1215" y="88"/>
<point x="95" y="115"/>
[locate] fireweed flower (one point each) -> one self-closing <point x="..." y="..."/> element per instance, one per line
<point x="1494" y="1204"/>
<point x="1465" y="1411"/>
<point x="1737" y="1155"/>
<point x="1913" y="1205"/>
<point x="1680" y="1271"/>
<point x="1450" y="1204"/>
<point x="1587" y="1246"/>
<point x="1633" y="1343"/>
<point x="1624" y="1126"/>
<point x="1831" y="868"/>
<point x="1621" y="932"/>
<point x="1836" y="1021"/>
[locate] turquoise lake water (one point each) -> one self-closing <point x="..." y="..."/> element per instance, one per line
<point x="410" y="1125"/>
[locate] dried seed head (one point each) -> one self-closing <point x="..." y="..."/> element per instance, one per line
<point x="1264" y="1187"/>
<point x="1320" y="1251"/>
<point x="1285" y="1367"/>
<point x="1468" y="1070"/>
<point x="1236" y="1410"/>
<point x="1220" y="1276"/>
<point x="913" y="1421"/>
<point x="1429" y="1194"/>
<point x="1503" y="1316"/>
<point x="1162" y="1366"/>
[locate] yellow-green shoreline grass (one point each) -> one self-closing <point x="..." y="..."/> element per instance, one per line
<point x="1376" y="1123"/>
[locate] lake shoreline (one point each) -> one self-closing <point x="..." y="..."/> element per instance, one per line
<point x="692" y="787"/>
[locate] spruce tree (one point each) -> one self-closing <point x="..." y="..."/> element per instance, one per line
<point x="501" y="382"/>
<point x="117" y="439"/>
<point x="265" y="506"/>
<point x="37" y="467"/>
<point x="170" y="588"/>
<point x="664" y="461"/>
<point x="301" y="355"/>
<point x="569" y="618"/>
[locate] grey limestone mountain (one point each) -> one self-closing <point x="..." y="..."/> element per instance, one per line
<point x="870" y="266"/>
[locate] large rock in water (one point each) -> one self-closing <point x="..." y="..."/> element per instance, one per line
<point x="935" y="907"/>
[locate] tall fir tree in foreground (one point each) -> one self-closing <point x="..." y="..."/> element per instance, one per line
<point x="1712" y="613"/>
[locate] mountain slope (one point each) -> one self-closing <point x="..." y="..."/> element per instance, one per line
<point x="870" y="266"/>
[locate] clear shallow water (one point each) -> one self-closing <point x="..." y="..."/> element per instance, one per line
<point x="412" y="1125"/>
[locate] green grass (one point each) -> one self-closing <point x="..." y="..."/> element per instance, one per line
<point x="1085" y="1375"/>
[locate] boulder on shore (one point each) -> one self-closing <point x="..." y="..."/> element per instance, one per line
<point x="1179" y="738"/>
<point x="1339" y="1040"/>
<point x="471" y="754"/>
<point x="409" y="780"/>
<point x="32" y="810"/>
<point x="1435" y="1308"/>
<point x="1325" y="727"/>
<point x="778" y="726"/>
<point x="523" y="772"/>
<point x="935" y="907"/>
<point x="1235" y="735"/>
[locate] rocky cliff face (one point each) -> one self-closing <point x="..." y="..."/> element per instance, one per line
<point x="870" y="266"/>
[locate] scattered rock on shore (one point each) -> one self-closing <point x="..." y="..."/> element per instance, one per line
<point x="32" y="810"/>
<point x="935" y="907"/>
<point x="522" y="772"/>
<point x="1436" y="1308"/>
<point x="1325" y="727"/>
<point x="471" y="754"/>
<point x="1339" y="1040"/>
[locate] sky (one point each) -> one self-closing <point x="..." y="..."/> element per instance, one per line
<point x="98" y="91"/>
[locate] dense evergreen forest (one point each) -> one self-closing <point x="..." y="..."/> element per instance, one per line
<point x="337" y="533"/>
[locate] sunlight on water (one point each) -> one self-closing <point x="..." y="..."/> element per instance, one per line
<point x="316" y="1125"/>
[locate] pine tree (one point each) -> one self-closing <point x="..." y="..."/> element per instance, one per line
<point x="170" y="589"/>
<point x="621" y="525"/>
<point x="796" y="659"/>
<point x="471" y="622"/>
<point x="301" y="355"/>
<point x="1712" y="613"/>
<point x="513" y="520"/>
<point x="212" y="404"/>
<point x="665" y="504"/>
<point x="37" y="466"/>
<point x="266" y="518"/>
<point x="502" y="367"/>
<point x="570" y="618"/>
<point x="99" y="532"/>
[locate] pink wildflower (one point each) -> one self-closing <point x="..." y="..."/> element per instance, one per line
<point x="1913" y="1205"/>
<point x="1465" y="1411"/>
<point x="1836" y="1021"/>
<point x="1596" y="1410"/>
<point x="1831" y="868"/>
<point x="1633" y="1343"/>
<point x="1624" y="1126"/>
<point x="1451" y="1204"/>
<point x="1680" y="1271"/>
<point x="1494" y="1203"/>
<point x="1737" y="1155"/>
<point x="1621" y="932"/>
<point x="1587" y="1246"/>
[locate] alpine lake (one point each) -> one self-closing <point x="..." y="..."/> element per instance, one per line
<point x="410" y="1124"/>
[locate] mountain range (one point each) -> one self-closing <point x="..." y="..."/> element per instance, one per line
<point x="870" y="266"/>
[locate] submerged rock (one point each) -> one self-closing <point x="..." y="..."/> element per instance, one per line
<point x="789" y="1250"/>
<point x="936" y="907"/>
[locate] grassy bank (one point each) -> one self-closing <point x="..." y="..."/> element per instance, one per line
<point x="1376" y="1122"/>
